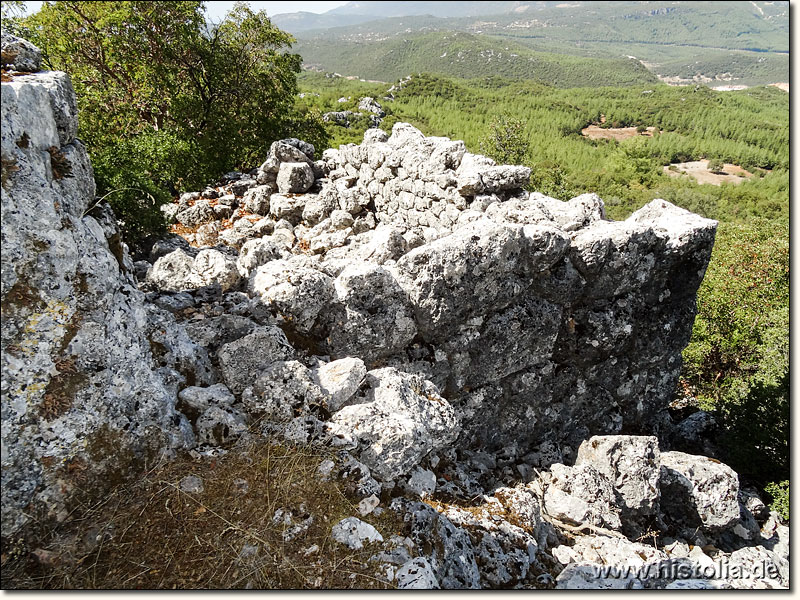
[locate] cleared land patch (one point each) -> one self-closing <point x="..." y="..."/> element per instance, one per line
<point x="699" y="170"/>
<point x="595" y="132"/>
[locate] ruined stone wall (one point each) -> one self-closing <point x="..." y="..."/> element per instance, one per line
<point x="539" y="317"/>
<point x="540" y="321"/>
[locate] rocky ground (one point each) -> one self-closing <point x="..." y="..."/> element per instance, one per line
<point x="490" y="367"/>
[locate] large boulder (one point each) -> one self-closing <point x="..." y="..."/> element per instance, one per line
<point x="581" y="497"/>
<point x="698" y="491"/>
<point x="632" y="465"/>
<point x="373" y="317"/>
<point x="243" y="360"/>
<point x="179" y="271"/>
<point x="20" y="54"/>
<point x="400" y="420"/>
<point x="481" y="267"/>
<point x="298" y="293"/>
<point x="294" y="178"/>
<point x="282" y="391"/>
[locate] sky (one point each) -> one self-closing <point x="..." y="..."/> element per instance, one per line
<point x="217" y="10"/>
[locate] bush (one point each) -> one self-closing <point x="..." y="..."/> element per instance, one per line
<point x="780" y="498"/>
<point x="505" y="142"/>
<point x="715" y="165"/>
<point x="738" y="360"/>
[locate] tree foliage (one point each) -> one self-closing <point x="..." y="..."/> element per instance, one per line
<point x="168" y="101"/>
<point x="780" y="497"/>
<point x="738" y="360"/>
<point x="505" y="142"/>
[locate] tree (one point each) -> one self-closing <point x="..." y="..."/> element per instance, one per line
<point x="11" y="13"/>
<point x="11" y="9"/>
<point x="715" y="165"/>
<point x="506" y="141"/>
<point x="738" y="360"/>
<point x="167" y="101"/>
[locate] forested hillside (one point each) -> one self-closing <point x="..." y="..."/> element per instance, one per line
<point x="694" y="123"/>
<point x="745" y="43"/>
<point x="461" y="54"/>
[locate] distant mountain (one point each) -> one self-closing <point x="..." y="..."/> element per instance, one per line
<point x="298" y="22"/>
<point x="353" y="13"/>
<point x="760" y="26"/>
<point x="466" y="55"/>
<point x="681" y="41"/>
<point x="437" y="9"/>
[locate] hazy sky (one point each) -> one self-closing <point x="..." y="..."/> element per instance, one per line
<point x="216" y="10"/>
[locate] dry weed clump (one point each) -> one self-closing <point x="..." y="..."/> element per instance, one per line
<point x="263" y="521"/>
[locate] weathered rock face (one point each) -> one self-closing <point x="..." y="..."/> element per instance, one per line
<point x="82" y="399"/>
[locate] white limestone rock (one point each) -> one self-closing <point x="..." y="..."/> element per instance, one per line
<point x="297" y="292"/>
<point x="243" y="360"/>
<point x="294" y="177"/>
<point x="698" y="491"/>
<point x="340" y="379"/>
<point x="354" y="533"/>
<point x="632" y="465"/>
<point x="401" y="419"/>
<point x="416" y="574"/>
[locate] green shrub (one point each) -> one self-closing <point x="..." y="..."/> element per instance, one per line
<point x="168" y="102"/>
<point x="715" y="165"/>
<point x="505" y="141"/>
<point x="738" y="360"/>
<point x="780" y="498"/>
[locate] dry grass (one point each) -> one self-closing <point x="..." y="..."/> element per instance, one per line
<point x="152" y="535"/>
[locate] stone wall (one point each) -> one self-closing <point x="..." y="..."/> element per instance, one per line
<point x="540" y="321"/>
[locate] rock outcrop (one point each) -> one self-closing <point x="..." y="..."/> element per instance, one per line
<point x="84" y="399"/>
<point x="492" y="365"/>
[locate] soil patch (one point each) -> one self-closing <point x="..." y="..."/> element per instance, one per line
<point x="595" y="132"/>
<point x="699" y="170"/>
